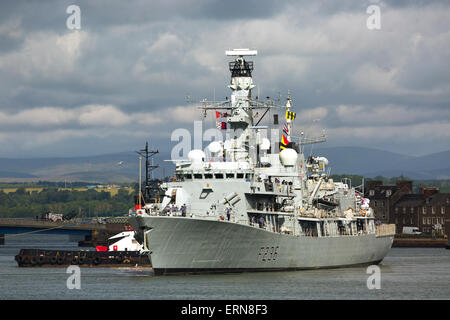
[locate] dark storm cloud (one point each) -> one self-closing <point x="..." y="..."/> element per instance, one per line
<point x="106" y="13"/>
<point x="133" y="62"/>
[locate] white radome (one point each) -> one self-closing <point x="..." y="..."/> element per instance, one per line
<point x="215" y="147"/>
<point x="288" y="157"/>
<point x="196" y="156"/>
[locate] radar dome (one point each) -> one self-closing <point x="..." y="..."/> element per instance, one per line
<point x="215" y="147"/>
<point x="288" y="157"/>
<point x="196" y="156"/>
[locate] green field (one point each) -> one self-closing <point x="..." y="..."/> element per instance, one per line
<point x="112" y="191"/>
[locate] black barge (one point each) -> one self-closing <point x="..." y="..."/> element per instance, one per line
<point x="64" y="258"/>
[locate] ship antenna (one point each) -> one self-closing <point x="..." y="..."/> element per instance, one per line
<point x="140" y="183"/>
<point x="145" y="153"/>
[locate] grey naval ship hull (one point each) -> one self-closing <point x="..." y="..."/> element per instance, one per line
<point x="189" y="245"/>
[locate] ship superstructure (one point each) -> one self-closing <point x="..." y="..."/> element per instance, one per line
<point x="252" y="204"/>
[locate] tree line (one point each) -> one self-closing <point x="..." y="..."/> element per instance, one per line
<point x="89" y="203"/>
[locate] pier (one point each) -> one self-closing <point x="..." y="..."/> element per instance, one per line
<point x="419" y="243"/>
<point x="94" y="231"/>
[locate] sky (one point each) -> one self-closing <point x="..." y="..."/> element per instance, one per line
<point x="123" y="77"/>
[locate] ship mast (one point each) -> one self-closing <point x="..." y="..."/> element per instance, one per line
<point x="240" y="107"/>
<point x="241" y="117"/>
<point x="148" y="188"/>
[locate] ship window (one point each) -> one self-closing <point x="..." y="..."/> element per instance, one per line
<point x="188" y="176"/>
<point x="230" y="175"/>
<point x="208" y="176"/>
<point x="219" y="175"/>
<point x="197" y="176"/>
<point x="240" y="175"/>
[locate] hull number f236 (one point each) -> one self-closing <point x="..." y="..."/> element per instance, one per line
<point x="268" y="253"/>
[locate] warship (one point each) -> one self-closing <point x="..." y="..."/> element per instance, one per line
<point x="249" y="204"/>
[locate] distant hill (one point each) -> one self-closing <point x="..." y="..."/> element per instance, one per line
<point x="6" y="174"/>
<point x="372" y="162"/>
<point x="117" y="167"/>
<point x="357" y="160"/>
<point x="124" y="166"/>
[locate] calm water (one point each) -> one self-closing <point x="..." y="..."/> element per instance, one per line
<point x="406" y="273"/>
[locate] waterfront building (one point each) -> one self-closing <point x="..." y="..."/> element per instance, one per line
<point x="429" y="210"/>
<point x="383" y="197"/>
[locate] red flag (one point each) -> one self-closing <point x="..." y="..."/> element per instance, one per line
<point x="217" y="114"/>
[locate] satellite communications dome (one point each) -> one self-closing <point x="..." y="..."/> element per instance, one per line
<point x="196" y="156"/>
<point x="215" y="147"/>
<point x="288" y="157"/>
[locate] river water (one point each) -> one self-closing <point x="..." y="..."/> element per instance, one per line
<point x="406" y="273"/>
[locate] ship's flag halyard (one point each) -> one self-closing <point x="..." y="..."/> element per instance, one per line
<point x="290" y="115"/>
<point x="285" y="129"/>
<point x="284" y="142"/>
<point x="223" y="115"/>
<point x="221" y="124"/>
